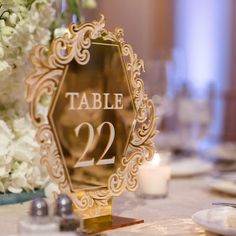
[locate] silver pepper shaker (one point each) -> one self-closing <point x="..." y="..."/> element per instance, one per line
<point x="64" y="212"/>
<point x="38" y="220"/>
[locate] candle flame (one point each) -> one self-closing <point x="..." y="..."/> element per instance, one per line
<point x="156" y="159"/>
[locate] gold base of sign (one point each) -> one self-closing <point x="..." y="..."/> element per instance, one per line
<point x="110" y="222"/>
<point x="95" y="211"/>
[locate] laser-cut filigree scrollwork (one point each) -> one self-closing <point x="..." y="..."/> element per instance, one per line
<point x="49" y="65"/>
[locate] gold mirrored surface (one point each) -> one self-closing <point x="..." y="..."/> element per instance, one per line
<point x="92" y="116"/>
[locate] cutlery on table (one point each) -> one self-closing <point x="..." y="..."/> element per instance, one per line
<point x="224" y="204"/>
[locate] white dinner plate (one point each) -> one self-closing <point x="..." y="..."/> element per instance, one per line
<point x="225" y="151"/>
<point x="223" y="184"/>
<point x="190" y="167"/>
<point x="215" y="220"/>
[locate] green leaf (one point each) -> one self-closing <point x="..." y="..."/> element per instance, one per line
<point x="73" y="8"/>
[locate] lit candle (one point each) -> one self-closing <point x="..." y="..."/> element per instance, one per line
<point x="154" y="177"/>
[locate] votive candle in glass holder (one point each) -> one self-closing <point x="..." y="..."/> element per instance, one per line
<point x="154" y="177"/>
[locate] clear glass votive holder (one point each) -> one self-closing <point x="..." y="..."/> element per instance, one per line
<point x="154" y="177"/>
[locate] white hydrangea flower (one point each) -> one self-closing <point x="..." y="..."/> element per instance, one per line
<point x="14" y="189"/>
<point x="2" y="23"/>
<point x="2" y="188"/>
<point x="21" y="28"/>
<point x="59" y="32"/>
<point x="51" y="189"/>
<point x="6" y="137"/>
<point x="5" y="69"/>
<point x="13" y="19"/>
<point x="24" y="149"/>
<point x="1" y="51"/>
<point x="20" y="168"/>
<point x="4" y="171"/>
<point x="23" y="126"/>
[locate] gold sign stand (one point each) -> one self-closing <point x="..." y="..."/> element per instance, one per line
<point x="100" y="123"/>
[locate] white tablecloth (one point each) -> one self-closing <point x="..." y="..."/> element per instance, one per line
<point x="170" y="216"/>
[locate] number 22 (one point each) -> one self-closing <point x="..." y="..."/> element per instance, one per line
<point x="100" y="161"/>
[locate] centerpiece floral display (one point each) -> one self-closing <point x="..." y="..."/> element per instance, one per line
<point x="24" y="24"/>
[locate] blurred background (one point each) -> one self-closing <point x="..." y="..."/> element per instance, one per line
<point x="189" y="52"/>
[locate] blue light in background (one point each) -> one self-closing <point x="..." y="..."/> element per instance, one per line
<point x="203" y="39"/>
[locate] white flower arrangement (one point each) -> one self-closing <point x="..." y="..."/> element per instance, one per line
<point x="23" y="24"/>
<point x="19" y="157"/>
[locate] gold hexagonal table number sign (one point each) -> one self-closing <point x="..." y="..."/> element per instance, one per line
<point x="100" y="124"/>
